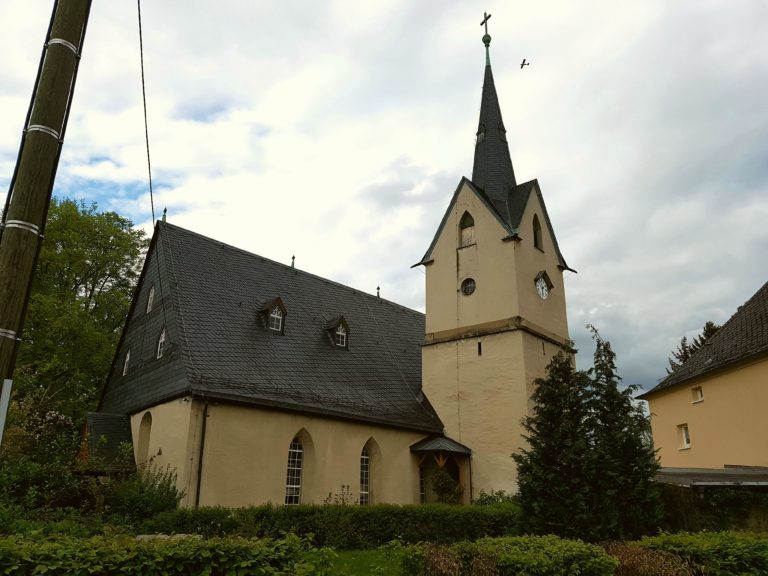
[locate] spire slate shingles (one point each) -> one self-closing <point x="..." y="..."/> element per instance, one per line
<point x="492" y="170"/>
<point x="230" y="354"/>
<point x="744" y="336"/>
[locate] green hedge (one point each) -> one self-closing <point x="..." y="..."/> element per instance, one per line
<point x="129" y="556"/>
<point x="716" y="553"/>
<point x="345" y="527"/>
<point x="510" y="556"/>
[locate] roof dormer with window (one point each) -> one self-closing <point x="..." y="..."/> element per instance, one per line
<point x="273" y="315"/>
<point x="338" y="331"/>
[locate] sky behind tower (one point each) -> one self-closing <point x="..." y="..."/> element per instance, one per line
<point x="337" y="132"/>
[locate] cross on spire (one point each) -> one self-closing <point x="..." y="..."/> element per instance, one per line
<point x="485" y="22"/>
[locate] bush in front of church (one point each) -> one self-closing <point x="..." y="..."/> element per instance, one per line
<point x="345" y="527"/>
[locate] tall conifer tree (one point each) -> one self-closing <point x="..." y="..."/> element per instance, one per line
<point x="588" y="470"/>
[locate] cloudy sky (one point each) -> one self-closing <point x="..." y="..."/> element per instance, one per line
<point x="337" y="131"/>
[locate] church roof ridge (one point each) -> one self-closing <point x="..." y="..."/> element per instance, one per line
<point x="293" y="268"/>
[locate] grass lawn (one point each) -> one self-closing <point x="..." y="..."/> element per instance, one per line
<point x="367" y="563"/>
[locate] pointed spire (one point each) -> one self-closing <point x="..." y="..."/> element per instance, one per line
<point x="492" y="170"/>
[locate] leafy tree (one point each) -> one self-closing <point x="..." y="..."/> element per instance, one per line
<point x="88" y="268"/>
<point x="588" y="469"/>
<point x="686" y="350"/>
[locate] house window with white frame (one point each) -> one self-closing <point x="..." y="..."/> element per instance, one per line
<point x="340" y="336"/>
<point x="161" y="344"/>
<point x="293" y="480"/>
<point x="150" y="299"/>
<point x="276" y="319"/>
<point x="684" y="436"/>
<point x="365" y="478"/>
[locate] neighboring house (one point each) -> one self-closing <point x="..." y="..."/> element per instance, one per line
<point x="259" y="382"/>
<point x="710" y="413"/>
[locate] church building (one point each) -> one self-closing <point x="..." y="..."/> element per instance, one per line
<point x="258" y="382"/>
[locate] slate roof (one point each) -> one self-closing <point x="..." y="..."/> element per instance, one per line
<point x="492" y="170"/>
<point x="227" y="352"/>
<point x="744" y="336"/>
<point x="440" y="444"/>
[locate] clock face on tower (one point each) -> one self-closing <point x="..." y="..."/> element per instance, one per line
<point x="542" y="288"/>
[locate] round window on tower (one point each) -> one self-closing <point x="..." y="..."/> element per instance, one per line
<point x="468" y="286"/>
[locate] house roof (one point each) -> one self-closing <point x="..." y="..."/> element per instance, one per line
<point x="228" y="353"/>
<point x="744" y="336"/>
<point x="728" y="476"/>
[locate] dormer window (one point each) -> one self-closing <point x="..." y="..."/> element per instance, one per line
<point x="273" y="315"/>
<point x="161" y="344"/>
<point x="340" y="336"/>
<point x="338" y="331"/>
<point x="150" y="299"/>
<point x="466" y="230"/>
<point x="276" y="319"/>
<point x="126" y="362"/>
<point x="537" y="233"/>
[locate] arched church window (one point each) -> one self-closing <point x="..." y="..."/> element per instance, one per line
<point x="365" y="477"/>
<point x="466" y="230"/>
<point x="293" y="480"/>
<point x="161" y="344"/>
<point x="145" y="429"/>
<point x="537" y="233"/>
<point x="276" y="319"/>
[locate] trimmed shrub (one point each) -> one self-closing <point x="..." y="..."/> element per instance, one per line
<point x="511" y="556"/>
<point x="716" y="553"/>
<point x="344" y="527"/>
<point x="637" y="561"/>
<point x="689" y="510"/>
<point x="129" y="556"/>
<point x="144" y="494"/>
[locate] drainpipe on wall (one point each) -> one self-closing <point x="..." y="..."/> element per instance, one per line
<point x="200" y="456"/>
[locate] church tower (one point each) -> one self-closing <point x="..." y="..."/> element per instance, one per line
<point x="495" y="304"/>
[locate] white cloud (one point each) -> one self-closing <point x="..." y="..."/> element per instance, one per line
<point x="337" y="132"/>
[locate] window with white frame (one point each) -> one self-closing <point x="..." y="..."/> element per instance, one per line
<point x="365" y="477"/>
<point x="684" y="436"/>
<point x="293" y="480"/>
<point x="126" y="362"/>
<point x="161" y="344"/>
<point x="340" y="336"/>
<point x="150" y="299"/>
<point x="276" y="319"/>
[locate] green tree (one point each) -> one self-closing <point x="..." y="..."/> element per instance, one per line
<point x="553" y="472"/>
<point x="623" y="461"/>
<point x="588" y="469"/>
<point x="88" y="268"/>
<point x="685" y="350"/>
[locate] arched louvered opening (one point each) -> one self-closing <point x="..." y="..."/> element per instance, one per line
<point x="466" y="230"/>
<point x="145" y="430"/>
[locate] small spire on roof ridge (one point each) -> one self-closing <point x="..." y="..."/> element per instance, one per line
<point x="165" y="213"/>
<point x="378" y="291"/>
<point x="293" y="261"/>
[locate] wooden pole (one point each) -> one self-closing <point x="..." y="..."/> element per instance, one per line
<point x="23" y="224"/>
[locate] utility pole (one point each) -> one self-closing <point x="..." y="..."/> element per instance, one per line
<point x="26" y="208"/>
